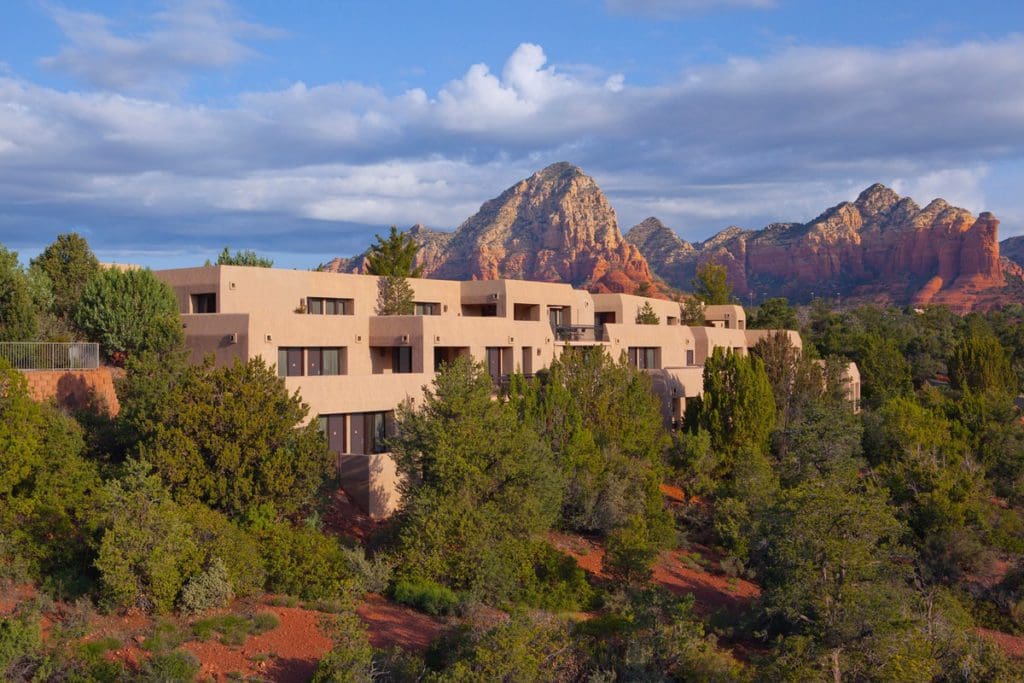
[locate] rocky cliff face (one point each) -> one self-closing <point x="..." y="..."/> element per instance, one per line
<point x="432" y="245"/>
<point x="1013" y="249"/>
<point x="554" y="226"/>
<point x="880" y="247"/>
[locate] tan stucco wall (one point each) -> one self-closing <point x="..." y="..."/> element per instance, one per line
<point x="261" y="310"/>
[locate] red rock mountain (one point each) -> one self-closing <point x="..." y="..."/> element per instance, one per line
<point x="881" y="247"/>
<point x="554" y="226"/>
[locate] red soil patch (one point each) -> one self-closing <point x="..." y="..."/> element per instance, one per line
<point x="13" y="595"/>
<point x="348" y="520"/>
<point x="1011" y="645"/>
<point x="673" y="494"/>
<point x="992" y="574"/>
<point x="287" y="653"/>
<point x="589" y="554"/>
<point x="710" y="591"/>
<point x="388" y="624"/>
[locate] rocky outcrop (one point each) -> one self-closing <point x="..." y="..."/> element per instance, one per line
<point x="1013" y="249"/>
<point x="432" y="244"/>
<point x="554" y="226"/>
<point x="880" y="247"/>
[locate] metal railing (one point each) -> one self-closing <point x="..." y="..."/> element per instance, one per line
<point x="51" y="355"/>
<point x="580" y="333"/>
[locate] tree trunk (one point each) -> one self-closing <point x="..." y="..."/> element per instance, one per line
<point x="837" y="675"/>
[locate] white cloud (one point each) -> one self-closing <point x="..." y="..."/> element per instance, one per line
<point x="744" y="141"/>
<point x="190" y="35"/>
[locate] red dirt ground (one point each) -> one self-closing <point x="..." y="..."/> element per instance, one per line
<point x="388" y="624"/>
<point x="711" y="590"/>
<point x="286" y="653"/>
<point x="1011" y="645"/>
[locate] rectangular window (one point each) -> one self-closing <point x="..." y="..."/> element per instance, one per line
<point x="689" y="356"/>
<point x="376" y="426"/>
<point x="401" y="359"/>
<point x="204" y="303"/>
<point x="426" y="308"/>
<point x="289" y="362"/>
<point x="319" y="305"/>
<point x="333" y="429"/>
<point x="494" y="363"/>
<point x="323" y="361"/>
<point x="556" y="317"/>
<point x="644" y="357"/>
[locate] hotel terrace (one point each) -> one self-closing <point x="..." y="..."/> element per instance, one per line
<point x="354" y="367"/>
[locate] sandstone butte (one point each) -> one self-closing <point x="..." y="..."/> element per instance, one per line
<point x="555" y="226"/>
<point x="881" y="247"/>
<point x="558" y="226"/>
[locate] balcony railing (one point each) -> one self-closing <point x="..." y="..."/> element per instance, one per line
<point x="51" y="355"/>
<point x="580" y="333"/>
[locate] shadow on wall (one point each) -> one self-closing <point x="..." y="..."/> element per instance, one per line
<point x="75" y="394"/>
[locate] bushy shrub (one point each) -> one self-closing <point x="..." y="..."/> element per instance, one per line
<point x="426" y="596"/>
<point x="304" y="562"/>
<point x="351" y="658"/>
<point x="209" y="589"/>
<point x="560" y="584"/>
<point x="21" y="643"/>
<point x="219" y="537"/>
<point x="171" y="667"/>
<point x="373" y="573"/>
<point x="630" y="552"/>
<point x="232" y="629"/>
<point x="148" y="550"/>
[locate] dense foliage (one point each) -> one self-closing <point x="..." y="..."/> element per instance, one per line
<point x="129" y="312"/>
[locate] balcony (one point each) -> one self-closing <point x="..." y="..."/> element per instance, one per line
<point x="580" y="333"/>
<point x="51" y="355"/>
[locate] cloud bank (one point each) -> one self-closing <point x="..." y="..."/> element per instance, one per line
<point x="309" y="167"/>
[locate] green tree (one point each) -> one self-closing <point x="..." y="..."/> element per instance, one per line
<point x="248" y="257"/>
<point x="711" y="284"/>
<point x="70" y="264"/>
<point x="646" y="315"/>
<point x="394" y="255"/>
<point x="395" y="296"/>
<point x="233" y="439"/>
<point x="737" y="408"/>
<point x="691" y="311"/>
<point x="774" y="314"/>
<point x="17" y="312"/>
<point x="828" y="567"/>
<point x="979" y="363"/>
<point x="933" y="480"/>
<point x="129" y="312"/>
<point x="477" y="485"/>
<point x="148" y="550"/>
<point x="605" y="427"/>
<point x="49" y="493"/>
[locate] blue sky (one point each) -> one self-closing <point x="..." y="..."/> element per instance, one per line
<point x="166" y="130"/>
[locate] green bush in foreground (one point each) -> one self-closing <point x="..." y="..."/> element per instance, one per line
<point x="426" y="596"/>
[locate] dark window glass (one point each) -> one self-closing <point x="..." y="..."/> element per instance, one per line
<point x="689" y="356"/>
<point x="204" y="303"/>
<point x="314" y="306"/>
<point x="289" y="362"/>
<point x="401" y="359"/>
<point x="322" y="305"/>
<point x="376" y="432"/>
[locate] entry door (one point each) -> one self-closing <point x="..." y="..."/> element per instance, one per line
<point x="336" y="433"/>
<point x="494" y="362"/>
<point x="294" y="362"/>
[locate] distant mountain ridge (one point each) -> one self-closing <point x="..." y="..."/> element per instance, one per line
<point x="558" y="226"/>
<point x="554" y="226"/>
<point x="880" y="247"/>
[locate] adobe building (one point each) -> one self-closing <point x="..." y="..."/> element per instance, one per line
<point x="353" y="367"/>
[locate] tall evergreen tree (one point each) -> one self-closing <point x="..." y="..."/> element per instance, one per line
<point x="70" y="264"/>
